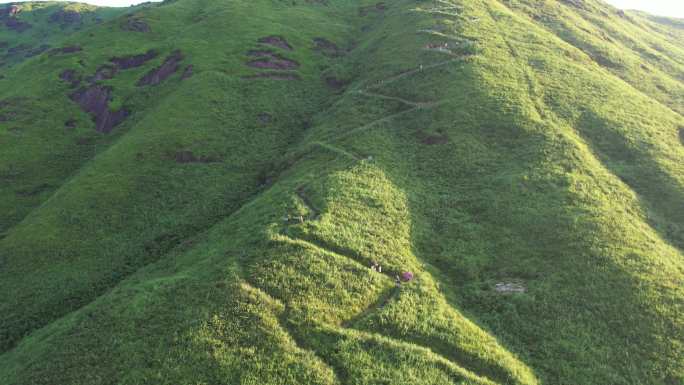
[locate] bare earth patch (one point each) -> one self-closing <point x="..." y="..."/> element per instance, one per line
<point x="275" y="62"/>
<point x="161" y="73"/>
<point x="95" y="100"/>
<point x="274" y="75"/>
<point x="132" y="61"/>
<point x="326" y="47"/>
<point x="276" y="41"/>
<point x="335" y="83"/>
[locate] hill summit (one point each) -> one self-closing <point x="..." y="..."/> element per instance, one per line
<point x="341" y="192"/>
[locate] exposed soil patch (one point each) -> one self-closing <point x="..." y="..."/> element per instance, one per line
<point x="274" y="75"/>
<point x="326" y="47"/>
<point x="132" y="61"/>
<point x="335" y="83"/>
<point x="681" y="135"/>
<point x="95" y="100"/>
<point x="189" y="157"/>
<point x="33" y="191"/>
<point x="188" y="72"/>
<point x="276" y="41"/>
<point x="71" y="76"/>
<point x="65" y="17"/>
<point x="65" y="50"/>
<point x="135" y="24"/>
<point x="275" y="62"/>
<point x="377" y="8"/>
<point x="159" y="74"/>
<point x="17" y="25"/>
<point x="106" y="71"/>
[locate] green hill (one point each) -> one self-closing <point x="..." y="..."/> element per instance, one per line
<point x="194" y="191"/>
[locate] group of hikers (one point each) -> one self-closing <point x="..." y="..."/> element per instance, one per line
<point x="406" y="276"/>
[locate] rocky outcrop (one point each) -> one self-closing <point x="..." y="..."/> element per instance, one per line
<point x="161" y="73"/>
<point x="95" y="101"/>
<point x="264" y="118"/>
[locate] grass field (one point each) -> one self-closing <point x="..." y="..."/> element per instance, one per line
<point x="215" y="223"/>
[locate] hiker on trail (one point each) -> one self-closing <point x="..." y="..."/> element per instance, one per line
<point x="407" y="276"/>
<point x="397" y="281"/>
<point x="421" y="67"/>
<point x="376" y="267"/>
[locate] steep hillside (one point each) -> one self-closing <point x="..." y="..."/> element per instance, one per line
<point x="197" y="193"/>
<point x="32" y="28"/>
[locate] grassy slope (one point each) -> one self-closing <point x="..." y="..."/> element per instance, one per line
<point x="34" y="159"/>
<point x="557" y="173"/>
<point x="48" y="27"/>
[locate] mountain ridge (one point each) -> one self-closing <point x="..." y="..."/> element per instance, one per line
<point x="222" y="232"/>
